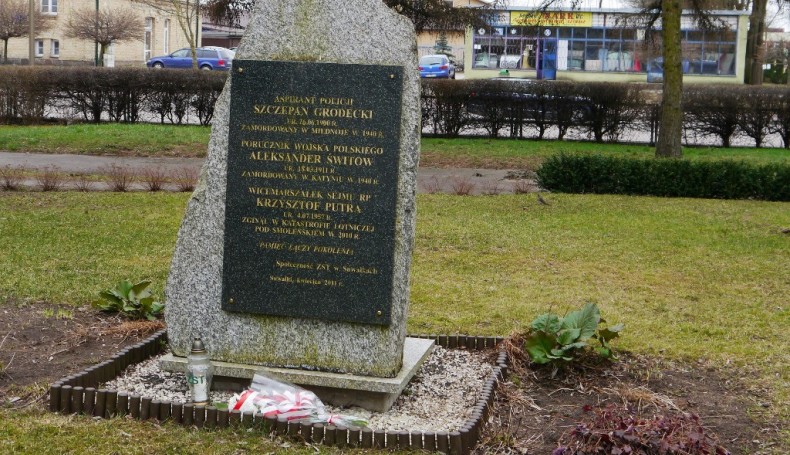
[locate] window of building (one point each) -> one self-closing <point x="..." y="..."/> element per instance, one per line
<point x="166" y="37"/>
<point x="54" y="48"/>
<point x="601" y="49"/>
<point x="148" y="37"/>
<point x="39" y="48"/>
<point x="49" y="6"/>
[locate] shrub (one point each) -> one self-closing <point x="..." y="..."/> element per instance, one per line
<point x="121" y="177"/>
<point x="668" y="178"/>
<point x="186" y="178"/>
<point x="153" y="178"/>
<point x="11" y="177"/>
<point x="617" y="430"/>
<point x="608" y="109"/>
<point x="554" y="338"/>
<point x="756" y="113"/>
<point x="25" y="93"/>
<point x="445" y="106"/>
<point x="712" y="111"/>
<point x="132" y="300"/>
<point x="116" y="94"/>
<point x="49" y="179"/>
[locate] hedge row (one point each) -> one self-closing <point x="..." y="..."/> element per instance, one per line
<point x="602" y="111"/>
<point x="516" y="107"/>
<point x="522" y="108"/>
<point x="30" y="95"/>
<point x="672" y="178"/>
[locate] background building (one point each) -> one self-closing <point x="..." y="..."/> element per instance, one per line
<point x="593" y="44"/>
<point x="161" y="35"/>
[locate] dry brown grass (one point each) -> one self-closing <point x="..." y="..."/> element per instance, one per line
<point x="523" y="187"/>
<point x="82" y="183"/>
<point x="432" y="185"/>
<point x="186" y="178"/>
<point x="461" y="186"/>
<point x="11" y="177"/>
<point x="153" y="178"/>
<point x="491" y="188"/>
<point x="49" y="179"/>
<point x="120" y="177"/>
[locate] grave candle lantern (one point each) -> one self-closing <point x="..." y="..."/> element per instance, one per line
<point x="199" y="373"/>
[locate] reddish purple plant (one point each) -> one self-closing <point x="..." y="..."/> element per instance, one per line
<point x="617" y="430"/>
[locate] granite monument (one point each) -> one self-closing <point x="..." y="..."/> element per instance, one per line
<point x="295" y="249"/>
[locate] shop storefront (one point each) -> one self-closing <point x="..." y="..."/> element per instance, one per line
<point x="601" y="45"/>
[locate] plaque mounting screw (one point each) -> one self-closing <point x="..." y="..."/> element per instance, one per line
<point x="378" y="313"/>
<point x="241" y="70"/>
<point x="392" y="76"/>
<point x="231" y="301"/>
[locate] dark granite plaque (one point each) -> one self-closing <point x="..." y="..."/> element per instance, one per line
<point x="312" y="181"/>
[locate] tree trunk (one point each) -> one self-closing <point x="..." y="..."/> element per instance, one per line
<point x="5" y="51"/>
<point x="755" y="54"/>
<point x="668" y="144"/>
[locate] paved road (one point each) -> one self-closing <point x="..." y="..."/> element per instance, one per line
<point x="445" y="180"/>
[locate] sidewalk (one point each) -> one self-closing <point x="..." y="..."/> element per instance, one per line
<point x="429" y="180"/>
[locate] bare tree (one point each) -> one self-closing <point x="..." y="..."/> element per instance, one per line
<point x="186" y="13"/>
<point x="669" y="12"/>
<point x="105" y="27"/>
<point x="425" y="14"/>
<point x="441" y="15"/>
<point x="14" y="21"/>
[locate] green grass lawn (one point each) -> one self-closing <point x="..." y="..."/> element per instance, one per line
<point x="692" y="279"/>
<point x="107" y="139"/>
<point x="528" y="154"/>
<point x="706" y="278"/>
<point x="192" y="141"/>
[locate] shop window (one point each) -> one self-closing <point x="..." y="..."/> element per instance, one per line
<point x="595" y="33"/>
<point x="49" y="6"/>
<point x="565" y="33"/>
<point x="54" y="48"/>
<point x="695" y="35"/>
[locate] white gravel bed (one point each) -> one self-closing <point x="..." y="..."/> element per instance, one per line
<point x="440" y="397"/>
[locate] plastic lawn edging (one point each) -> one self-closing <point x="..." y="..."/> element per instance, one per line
<point x="79" y="394"/>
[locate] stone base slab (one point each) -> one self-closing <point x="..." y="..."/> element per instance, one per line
<point x="372" y="393"/>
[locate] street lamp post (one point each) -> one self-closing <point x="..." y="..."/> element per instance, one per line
<point x="96" y="43"/>
<point x="32" y="33"/>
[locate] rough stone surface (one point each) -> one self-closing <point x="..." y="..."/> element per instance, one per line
<point x="439" y="398"/>
<point x="372" y="393"/>
<point x="359" y="32"/>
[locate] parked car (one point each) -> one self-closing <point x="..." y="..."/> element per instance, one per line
<point x="209" y="58"/>
<point x="436" y="66"/>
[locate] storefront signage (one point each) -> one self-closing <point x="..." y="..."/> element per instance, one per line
<point x="500" y="19"/>
<point x="551" y="18"/>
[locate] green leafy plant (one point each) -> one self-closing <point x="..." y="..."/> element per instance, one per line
<point x="554" y="338"/>
<point x="132" y="300"/>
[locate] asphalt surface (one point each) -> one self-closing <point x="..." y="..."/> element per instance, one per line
<point x="429" y="180"/>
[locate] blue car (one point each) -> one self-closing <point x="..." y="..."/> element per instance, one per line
<point x="209" y="58"/>
<point x="436" y="66"/>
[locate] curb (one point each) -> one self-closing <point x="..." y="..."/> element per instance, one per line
<point x="78" y="394"/>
